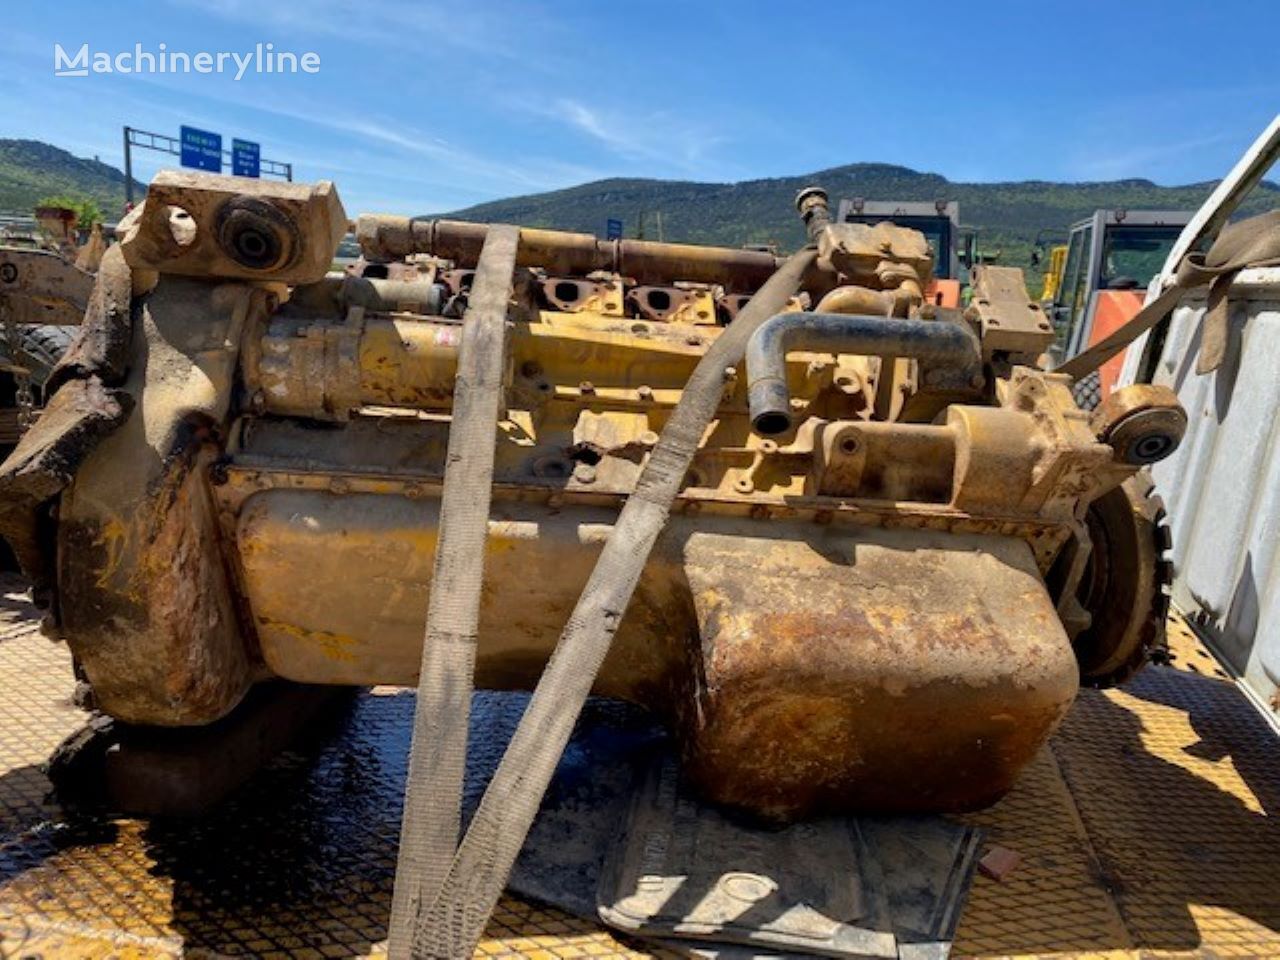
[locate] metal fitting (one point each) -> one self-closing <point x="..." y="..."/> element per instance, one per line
<point x="1143" y="423"/>
<point x="256" y="234"/>
<point x="767" y="393"/>
<point x="814" y="211"/>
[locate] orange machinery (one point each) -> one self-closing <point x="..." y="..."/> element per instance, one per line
<point x="1111" y="258"/>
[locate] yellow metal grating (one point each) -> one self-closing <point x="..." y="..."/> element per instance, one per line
<point x="1051" y="903"/>
<point x="1164" y="841"/>
<point x="1175" y="777"/>
<point x="1144" y="827"/>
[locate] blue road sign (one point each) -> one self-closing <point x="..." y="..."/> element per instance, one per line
<point x="613" y="230"/>
<point x="201" y="149"/>
<point x="244" y="158"/>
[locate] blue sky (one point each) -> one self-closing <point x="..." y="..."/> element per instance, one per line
<point x="425" y="107"/>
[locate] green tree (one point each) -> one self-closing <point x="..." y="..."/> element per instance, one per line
<point x="87" y="210"/>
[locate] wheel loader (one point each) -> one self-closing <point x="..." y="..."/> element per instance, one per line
<point x="871" y="578"/>
<point x="46" y="276"/>
<point x="1100" y="282"/>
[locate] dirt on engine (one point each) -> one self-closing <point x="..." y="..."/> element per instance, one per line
<point x="900" y="548"/>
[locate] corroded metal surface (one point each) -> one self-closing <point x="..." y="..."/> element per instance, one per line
<point x="952" y="644"/>
<point x="234" y="227"/>
<point x="40" y="286"/>
<point x="646" y="261"/>
<point x="138" y="555"/>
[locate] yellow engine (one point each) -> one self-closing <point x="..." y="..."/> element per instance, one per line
<point x="898" y="549"/>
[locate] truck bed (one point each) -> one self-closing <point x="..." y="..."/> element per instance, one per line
<point x="1146" y="827"/>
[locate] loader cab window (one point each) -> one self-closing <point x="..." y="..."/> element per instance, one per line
<point x="937" y="230"/>
<point x="1133" y="255"/>
<point x="1073" y="292"/>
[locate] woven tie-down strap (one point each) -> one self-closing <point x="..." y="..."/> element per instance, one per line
<point x="1250" y="243"/>
<point x="452" y="926"/>
<point x="438" y="756"/>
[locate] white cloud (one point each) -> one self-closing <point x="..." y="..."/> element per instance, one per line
<point x="1142" y="159"/>
<point x="658" y="140"/>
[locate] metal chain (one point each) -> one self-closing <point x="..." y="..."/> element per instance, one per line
<point x="23" y="398"/>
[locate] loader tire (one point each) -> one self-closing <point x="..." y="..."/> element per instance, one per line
<point x="43" y="347"/>
<point x="1125" y="586"/>
<point x="40" y="348"/>
<point x="1088" y="391"/>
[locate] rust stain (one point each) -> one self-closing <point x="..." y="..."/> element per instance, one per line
<point x="335" y="646"/>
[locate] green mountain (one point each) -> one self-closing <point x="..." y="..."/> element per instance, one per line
<point x="30" y="170"/>
<point x="1009" y="216"/>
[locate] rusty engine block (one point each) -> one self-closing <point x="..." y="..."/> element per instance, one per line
<point x="874" y="592"/>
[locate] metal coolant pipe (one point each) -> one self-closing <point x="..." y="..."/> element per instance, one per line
<point x="569" y="254"/>
<point x="937" y="341"/>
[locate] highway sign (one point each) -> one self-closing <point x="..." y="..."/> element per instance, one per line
<point x="244" y="158"/>
<point x="201" y="150"/>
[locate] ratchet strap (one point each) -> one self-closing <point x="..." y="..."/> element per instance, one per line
<point x="1250" y="243"/>
<point x="438" y="756"/>
<point x="480" y="868"/>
